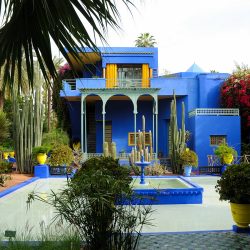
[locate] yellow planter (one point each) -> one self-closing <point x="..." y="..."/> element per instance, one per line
<point x="5" y="155"/>
<point x="228" y="158"/>
<point x="41" y="158"/>
<point x="241" y="214"/>
<point x="12" y="154"/>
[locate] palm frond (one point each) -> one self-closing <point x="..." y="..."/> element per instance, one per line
<point x="29" y="25"/>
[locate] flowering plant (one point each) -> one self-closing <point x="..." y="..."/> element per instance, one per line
<point x="65" y="71"/>
<point x="235" y="93"/>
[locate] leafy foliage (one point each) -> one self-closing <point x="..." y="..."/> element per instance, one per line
<point x="56" y="136"/>
<point x="29" y="25"/>
<point x="4" y="126"/>
<point x="235" y="93"/>
<point x="89" y="204"/>
<point x="155" y="170"/>
<point x="60" y="106"/>
<point x="40" y="150"/>
<point x="61" y="155"/>
<point x="224" y="149"/>
<point x="188" y="158"/>
<point x="5" y="169"/>
<point x="234" y="184"/>
<point x="145" y="40"/>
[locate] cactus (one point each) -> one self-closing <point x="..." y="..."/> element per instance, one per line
<point x="113" y="150"/>
<point x="105" y="149"/>
<point x="141" y="149"/>
<point x="109" y="151"/>
<point x="177" y="137"/>
<point x="28" y="127"/>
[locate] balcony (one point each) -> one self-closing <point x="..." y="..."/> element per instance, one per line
<point x="127" y="83"/>
<point x="72" y="86"/>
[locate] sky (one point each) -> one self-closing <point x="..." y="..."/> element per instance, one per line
<point x="214" y="33"/>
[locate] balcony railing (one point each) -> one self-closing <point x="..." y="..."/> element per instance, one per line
<point x="214" y="160"/>
<point x="128" y="83"/>
<point x="74" y="84"/>
<point x="214" y="112"/>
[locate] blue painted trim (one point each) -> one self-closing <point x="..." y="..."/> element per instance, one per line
<point x="188" y="232"/>
<point x="237" y="229"/>
<point x="57" y="176"/>
<point x="18" y="186"/>
<point x="167" y="196"/>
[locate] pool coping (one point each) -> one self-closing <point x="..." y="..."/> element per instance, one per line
<point x="18" y="186"/>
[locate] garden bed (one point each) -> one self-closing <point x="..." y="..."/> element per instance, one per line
<point x="15" y="180"/>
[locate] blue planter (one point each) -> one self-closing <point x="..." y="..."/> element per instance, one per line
<point x="187" y="170"/>
<point x="223" y="168"/>
<point x="41" y="171"/>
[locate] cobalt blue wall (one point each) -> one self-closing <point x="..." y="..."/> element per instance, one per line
<point x="120" y="113"/>
<point x="75" y="118"/>
<point x="131" y="55"/>
<point x="209" y="89"/>
<point x="203" y="126"/>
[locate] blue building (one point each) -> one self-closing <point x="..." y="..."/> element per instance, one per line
<point x="117" y="86"/>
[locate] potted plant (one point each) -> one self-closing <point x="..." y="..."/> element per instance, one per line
<point x="234" y="187"/>
<point x="61" y="156"/>
<point x="188" y="159"/>
<point x="41" y="154"/>
<point x="225" y="153"/>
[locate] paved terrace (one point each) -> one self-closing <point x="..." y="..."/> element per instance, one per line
<point x="175" y="226"/>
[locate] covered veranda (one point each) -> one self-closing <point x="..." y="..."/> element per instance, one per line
<point x="105" y="95"/>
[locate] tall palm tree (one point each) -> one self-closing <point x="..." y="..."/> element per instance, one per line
<point x="29" y="24"/>
<point x="145" y="40"/>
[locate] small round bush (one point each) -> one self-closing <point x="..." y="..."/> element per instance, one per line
<point x="234" y="185"/>
<point x="189" y="158"/>
<point x="61" y="155"/>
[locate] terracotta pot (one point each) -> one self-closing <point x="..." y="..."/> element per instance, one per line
<point x="241" y="214"/>
<point x="41" y="158"/>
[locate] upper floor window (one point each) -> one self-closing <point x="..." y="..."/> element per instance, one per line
<point x="216" y="140"/>
<point x="129" y="71"/>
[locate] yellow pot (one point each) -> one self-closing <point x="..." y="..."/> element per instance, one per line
<point x="241" y="214"/>
<point x="12" y="154"/>
<point x="41" y="158"/>
<point x="228" y="158"/>
<point x="5" y="155"/>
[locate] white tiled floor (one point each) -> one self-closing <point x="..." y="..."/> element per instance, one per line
<point x="211" y="215"/>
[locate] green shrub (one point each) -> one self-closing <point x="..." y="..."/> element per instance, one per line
<point x="55" y="137"/>
<point x="5" y="167"/>
<point x="135" y="170"/>
<point x="224" y="149"/>
<point x="155" y="170"/>
<point x="41" y="150"/>
<point x="4" y="126"/>
<point x="89" y="204"/>
<point x="234" y="184"/>
<point x="3" y="178"/>
<point x="61" y="155"/>
<point x="188" y="158"/>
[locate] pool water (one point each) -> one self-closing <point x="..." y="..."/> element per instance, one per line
<point x="162" y="183"/>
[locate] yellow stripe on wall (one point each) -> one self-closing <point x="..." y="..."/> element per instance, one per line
<point x="145" y="76"/>
<point x="111" y="75"/>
